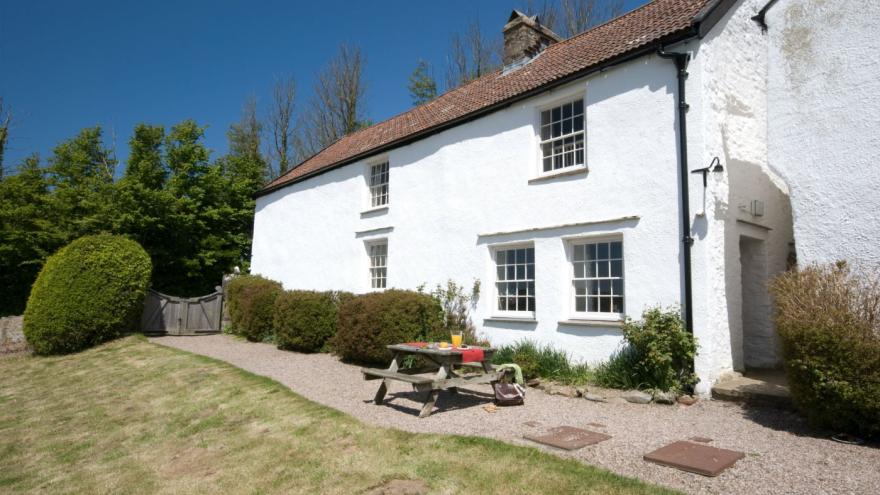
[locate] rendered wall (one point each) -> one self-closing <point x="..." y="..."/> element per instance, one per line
<point x="731" y="65"/>
<point x="824" y="114"/>
<point x="450" y="192"/>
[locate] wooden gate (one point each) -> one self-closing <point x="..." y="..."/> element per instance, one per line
<point x="164" y="314"/>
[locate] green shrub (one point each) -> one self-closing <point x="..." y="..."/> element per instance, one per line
<point x="456" y="308"/>
<point x="305" y="320"/>
<point x="90" y="291"/>
<point x="369" y="322"/>
<point x="539" y="361"/>
<point x="658" y="352"/>
<point x="617" y="372"/>
<point x="828" y="320"/>
<point x="251" y="301"/>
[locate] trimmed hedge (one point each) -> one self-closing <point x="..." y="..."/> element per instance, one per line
<point x="305" y="320"/>
<point x="369" y="322"/>
<point x="828" y="321"/>
<point x="89" y="292"/>
<point x="251" y="301"/>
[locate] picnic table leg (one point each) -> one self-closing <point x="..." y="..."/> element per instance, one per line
<point x="383" y="387"/>
<point x="451" y="374"/>
<point x="429" y="404"/>
<point x="441" y="375"/>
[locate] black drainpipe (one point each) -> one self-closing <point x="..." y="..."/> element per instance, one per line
<point x="681" y="62"/>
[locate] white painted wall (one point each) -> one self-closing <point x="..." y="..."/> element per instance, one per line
<point x="452" y="189"/>
<point x="449" y="189"/>
<point x="731" y="67"/>
<point x="824" y="136"/>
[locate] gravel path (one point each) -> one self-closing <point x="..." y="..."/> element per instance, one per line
<point x="781" y="456"/>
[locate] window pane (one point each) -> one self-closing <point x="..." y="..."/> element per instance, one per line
<point x="603" y="268"/>
<point x="566" y="126"/>
<point x="545" y="117"/>
<point x="578" y="123"/>
<point x="580" y="288"/>
<point x="557" y="129"/>
<point x="557" y="114"/>
<point x="522" y="304"/>
<point x="502" y="303"/>
<point x="617" y="287"/>
<point x="605" y="287"/>
<point x="593" y="287"/>
<point x="548" y="164"/>
<point x="531" y="304"/>
<point x="520" y="272"/>
<point x="602" y="251"/>
<point x="605" y="305"/>
<point x="545" y="132"/>
<point x="593" y="304"/>
<point x="501" y="257"/>
<point x="617" y="305"/>
<point x="566" y="111"/>
<point x="591" y="269"/>
<point x="511" y="272"/>
<point x="578" y="107"/>
<point x="520" y="255"/>
<point x="500" y="273"/>
<point x="617" y="250"/>
<point x="531" y="272"/>
<point x="530" y="255"/>
<point x="580" y="304"/>
<point x="579" y="252"/>
<point x="617" y="268"/>
<point x="578" y="270"/>
<point x="591" y="252"/>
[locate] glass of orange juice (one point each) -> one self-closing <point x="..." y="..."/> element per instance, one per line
<point x="456" y="339"/>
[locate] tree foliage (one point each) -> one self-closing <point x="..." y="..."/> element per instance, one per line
<point x="194" y="216"/>
<point x="422" y="87"/>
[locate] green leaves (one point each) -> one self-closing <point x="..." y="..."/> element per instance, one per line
<point x="194" y="217"/>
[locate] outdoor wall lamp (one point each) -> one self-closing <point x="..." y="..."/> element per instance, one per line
<point x="714" y="166"/>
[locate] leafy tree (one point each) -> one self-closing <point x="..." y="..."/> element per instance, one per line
<point x="422" y="87"/>
<point x="281" y="125"/>
<point x="27" y="233"/>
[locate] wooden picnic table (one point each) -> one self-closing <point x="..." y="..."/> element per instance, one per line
<point x="446" y="366"/>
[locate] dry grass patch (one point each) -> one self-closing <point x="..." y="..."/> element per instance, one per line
<point x="132" y="417"/>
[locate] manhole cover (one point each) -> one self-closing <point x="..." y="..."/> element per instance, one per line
<point x="568" y="438"/>
<point x="695" y="458"/>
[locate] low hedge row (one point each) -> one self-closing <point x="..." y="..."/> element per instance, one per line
<point x="356" y="327"/>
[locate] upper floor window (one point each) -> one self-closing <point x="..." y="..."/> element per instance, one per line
<point x="515" y="281"/>
<point x="598" y="277"/>
<point x="379" y="184"/>
<point x="562" y="136"/>
<point x="378" y="265"/>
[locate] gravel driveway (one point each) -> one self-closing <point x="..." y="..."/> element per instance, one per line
<point x="781" y="456"/>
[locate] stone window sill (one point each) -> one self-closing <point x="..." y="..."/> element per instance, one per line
<point x="560" y="173"/>
<point x="510" y="319"/>
<point x="579" y="322"/>
<point x="375" y="211"/>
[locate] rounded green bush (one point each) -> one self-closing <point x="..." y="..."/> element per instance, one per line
<point x="251" y="302"/>
<point x="368" y="323"/>
<point x="305" y="320"/>
<point x="90" y="291"/>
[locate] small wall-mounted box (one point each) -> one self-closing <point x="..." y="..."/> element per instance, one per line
<point x="757" y="208"/>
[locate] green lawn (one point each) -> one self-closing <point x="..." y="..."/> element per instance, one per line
<point x="133" y="417"/>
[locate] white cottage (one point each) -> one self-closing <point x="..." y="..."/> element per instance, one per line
<point x="589" y="179"/>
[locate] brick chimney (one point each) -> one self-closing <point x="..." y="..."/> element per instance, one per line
<point x="525" y="38"/>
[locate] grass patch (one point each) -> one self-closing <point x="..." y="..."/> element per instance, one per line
<point x="543" y="361"/>
<point x="132" y="417"/>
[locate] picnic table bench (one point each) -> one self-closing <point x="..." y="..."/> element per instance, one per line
<point x="446" y="366"/>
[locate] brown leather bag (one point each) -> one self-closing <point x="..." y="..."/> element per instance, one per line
<point x="508" y="394"/>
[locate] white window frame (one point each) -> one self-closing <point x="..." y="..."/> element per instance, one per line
<point x="506" y="313"/>
<point x="558" y="103"/>
<point x="373" y="202"/>
<point x="572" y="244"/>
<point x="372" y="269"/>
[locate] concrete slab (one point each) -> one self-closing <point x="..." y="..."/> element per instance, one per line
<point x="568" y="438"/>
<point x="694" y="458"/>
<point x="768" y="387"/>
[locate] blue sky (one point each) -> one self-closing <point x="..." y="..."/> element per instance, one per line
<point x="67" y="65"/>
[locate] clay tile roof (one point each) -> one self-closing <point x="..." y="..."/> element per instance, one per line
<point x="659" y="20"/>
